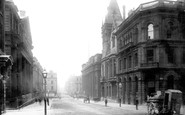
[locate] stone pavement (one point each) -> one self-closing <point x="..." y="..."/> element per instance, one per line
<point x="38" y="108"/>
<point x="32" y="109"/>
<point x="111" y="103"/>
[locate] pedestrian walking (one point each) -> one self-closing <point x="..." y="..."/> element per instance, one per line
<point x="119" y="102"/>
<point x="48" y="101"/>
<point x="136" y="102"/>
<point x="88" y="100"/>
<point x="36" y="100"/>
<point x="106" y="101"/>
<point x="40" y="101"/>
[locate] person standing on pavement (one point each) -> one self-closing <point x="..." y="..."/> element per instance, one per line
<point x="48" y="101"/>
<point x="136" y="102"/>
<point x="119" y="102"/>
<point x="106" y="101"/>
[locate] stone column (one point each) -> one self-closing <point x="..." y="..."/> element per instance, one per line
<point x="117" y="90"/>
<point x="157" y="82"/>
<point x="133" y="91"/>
<point x="111" y="89"/>
<point x="105" y="89"/>
<point x="142" y="92"/>
<point x="108" y="89"/>
<point x="126" y="92"/>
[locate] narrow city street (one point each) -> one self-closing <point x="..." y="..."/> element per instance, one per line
<point x="70" y="106"/>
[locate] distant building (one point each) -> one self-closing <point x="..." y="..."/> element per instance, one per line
<point x="51" y="82"/>
<point x="74" y="85"/>
<point x="37" y="78"/>
<point x="91" y="72"/>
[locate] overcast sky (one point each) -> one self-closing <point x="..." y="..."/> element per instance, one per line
<point x="66" y="33"/>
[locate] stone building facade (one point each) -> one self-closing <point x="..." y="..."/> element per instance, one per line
<point x="151" y="50"/>
<point x="17" y="42"/>
<point x="149" y="53"/>
<point x="37" y="78"/>
<point x="109" y="85"/>
<point x="74" y="86"/>
<point x="91" y="72"/>
<point x="51" y="82"/>
<point x="2" y="25"/>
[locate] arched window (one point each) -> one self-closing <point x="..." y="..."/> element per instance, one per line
<point x="150" y="31"/>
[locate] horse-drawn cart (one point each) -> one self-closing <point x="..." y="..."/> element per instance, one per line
<point x="167" y="104"/>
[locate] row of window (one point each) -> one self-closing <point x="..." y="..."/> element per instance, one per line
<point x="109" y="68"/>
<point x="127" y="62"/>
<point x="128" y="38"/>
<point x="150" y="33"/>
<point x="132" y="60"/>
<point x="171" y="57"/>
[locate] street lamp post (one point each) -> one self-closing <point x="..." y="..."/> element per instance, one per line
<point x="120" y="86"/>
<point x="4" y="101"/>
<point x="45" y="76"/>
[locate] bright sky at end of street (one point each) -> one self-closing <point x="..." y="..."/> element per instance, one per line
<point x="65" y="33"/>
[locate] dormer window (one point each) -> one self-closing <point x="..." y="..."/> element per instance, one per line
<point x="150" y="31"/>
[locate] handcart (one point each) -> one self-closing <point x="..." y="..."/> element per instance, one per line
<point x="167" y="104"/>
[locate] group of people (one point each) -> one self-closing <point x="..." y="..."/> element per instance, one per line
<point x="119" y="100"/>
<point x="40" y="100"/>
<point x="87" y="99"/>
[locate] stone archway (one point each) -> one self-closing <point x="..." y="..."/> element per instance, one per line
<point x="171" y="80"/>
<point x="150" y="79"/>
<point x="172" y="73"/>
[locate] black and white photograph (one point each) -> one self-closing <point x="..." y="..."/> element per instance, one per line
<point x="92" y="57"/>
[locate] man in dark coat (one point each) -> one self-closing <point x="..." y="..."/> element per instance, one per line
<point x="47" y="101"/>
<point x="106" y="101"/>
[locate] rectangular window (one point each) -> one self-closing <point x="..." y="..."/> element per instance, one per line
<point x="102" y="70"/>
<point x="135" y="59"/>
<point x="125" y="63"/>
<point x="120" y="44"/>
<point x="171" y="56"/>
<point x="113" y="41"/>
<point x="130" y="62"/>
<point x="150" y="55"/>
<point x="120" y="64"/>
<point x="114" y="67"/>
